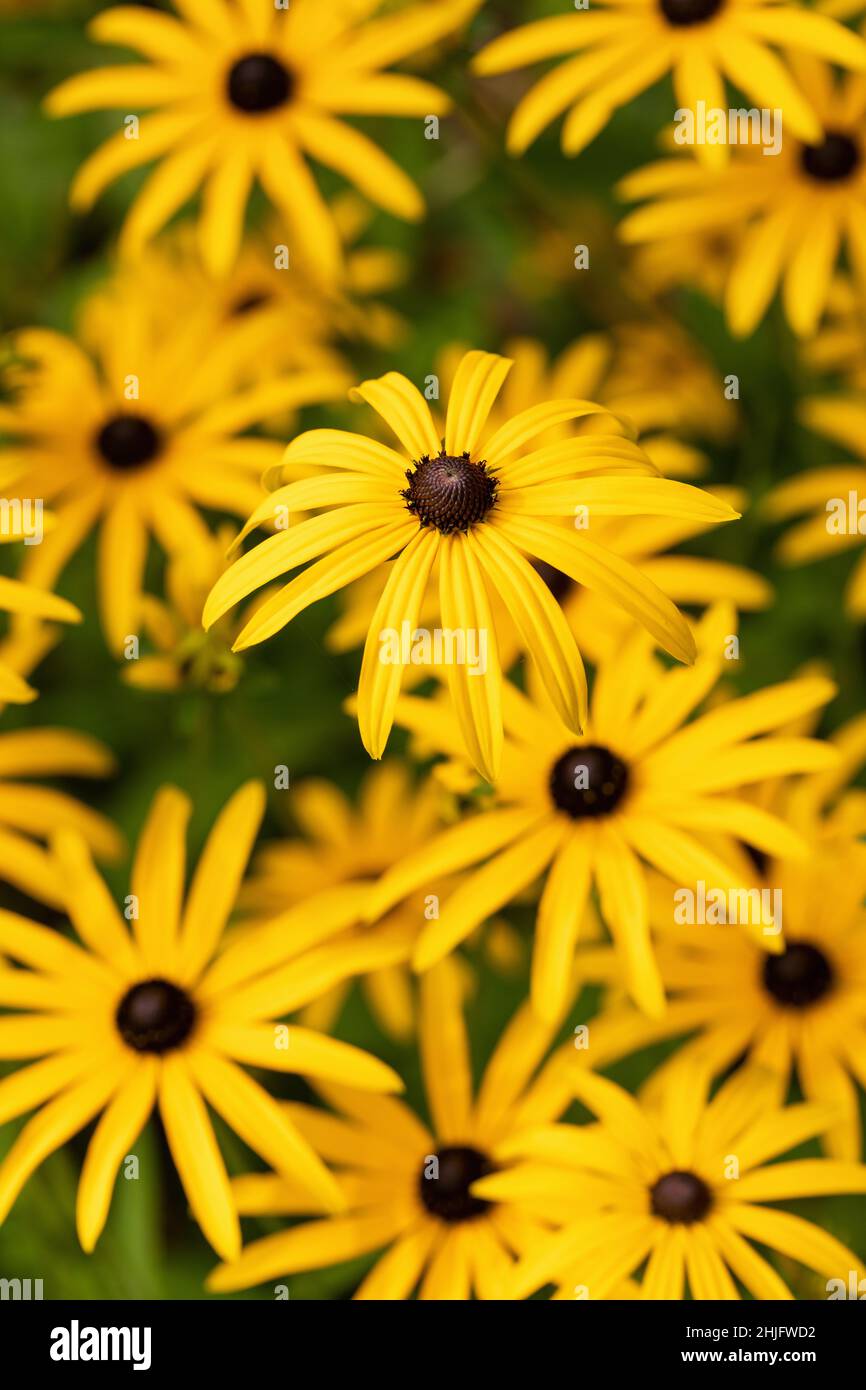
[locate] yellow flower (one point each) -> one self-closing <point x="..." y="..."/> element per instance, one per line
<point x="27" y="639"/>
<point x="29" y="815"/>
<point x="833" y="496"/>
<point x="407" y="1186"/>
<point x="272" y="315"/>
<point x="185" y="656"/>
<point x="628" y="45"/>
<point x="353" y="845"/>
<point x="476" y="502"/>
<point x="682" y="1185"/>
<point x="639" y="786"/>
<point x="802" y="1011"/>
<point x="801" y="206"/>
<point x="245" y="91"/>
<point x="125" y="1021"/>
<point x="655" y="376"/>
<point x="134" y="426"/>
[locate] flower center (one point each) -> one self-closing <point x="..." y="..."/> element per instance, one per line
<point x="155" y="1016"/>
<point x="557" y="582"/>
<point x="448" y="492"/>
<point x="681" y="1198"/>
<point x="128" y="441"/>
<point x="588" y="781"/>
<point x="259" y="82"/>
<point x="446" y="1194"/>
<point x="800" y="976"/>
<point x="836" y="158"/>
<point x="681" y="12"/>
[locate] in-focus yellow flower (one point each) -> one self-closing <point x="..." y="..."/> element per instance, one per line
<point x="476" y="503"/>
<point x="656" y="377"/>
<point x="681" y="1185"/>
<point x="697" y="260"/>
<point x="126" y="1021"/>
<point x="134" y="426"/>
<point x="802" y="206"/>
<point x="242" y="90"/>
<point x="628" y="45"/>
<point x="639" y="786"/>
<point x="834" y="497"/>
<point x="29" y="815"/>
<point x="353" y="844"/>
<point x="801" y="1011"/>
<point x="408" y="1188"/>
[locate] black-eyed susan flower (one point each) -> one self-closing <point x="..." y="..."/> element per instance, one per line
<point x="834" y="497"/>
<point x="475" y="503"/>
<point x="129" y="1020"/>
<point x="408" y="1186"/>
<point x="629" y="45"/>
<point x="800" y="1012"/>
<point x="640" y="786"/>
<point x="30" y="814"/>
<point x="801" y="207"/>
<point x="656" y="377"/>
<point x="682" y="1185"/>
<point x="353" y="843"/>
<point x="246" y="91"/>
<point x="134" y="427"/>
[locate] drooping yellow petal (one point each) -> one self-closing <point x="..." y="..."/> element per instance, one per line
<point x="118" y="1129"/>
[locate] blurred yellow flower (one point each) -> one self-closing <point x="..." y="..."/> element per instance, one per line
<point x="353" y="844"/>
<point x="681" y="1184"/>
<point x="835" y="496"/>
<point x="29" y="815"/>
<point x="802" y="206"/>
<point x="134" y="427"/>
<point x="248" y="91"/>
<point x="628" y="45"/>
<point x="409" y="1187"/>
<point x="801" y="1011"/>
